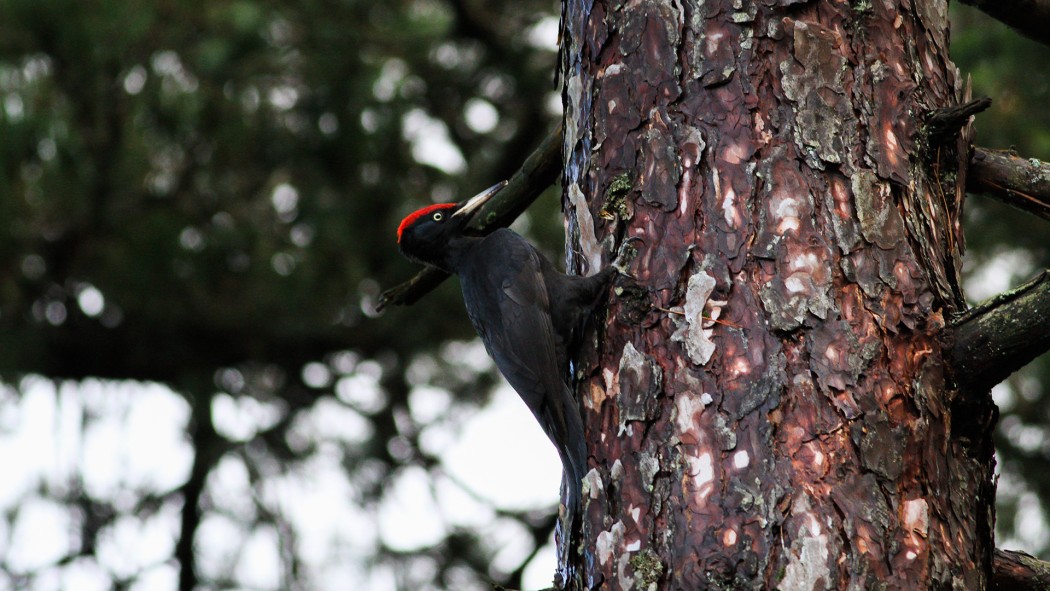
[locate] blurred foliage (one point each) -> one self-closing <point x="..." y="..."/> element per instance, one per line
<point x="1001" y="64"/>
<point x="1005" y="248"/>
<point x="204" y="194"/>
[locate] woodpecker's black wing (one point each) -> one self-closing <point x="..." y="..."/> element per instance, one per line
<point x="507" y="301"/>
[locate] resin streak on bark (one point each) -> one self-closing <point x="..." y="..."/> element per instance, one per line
<point x="767" y="408"/>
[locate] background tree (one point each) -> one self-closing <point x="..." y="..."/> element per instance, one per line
<point x="204" y="195"/>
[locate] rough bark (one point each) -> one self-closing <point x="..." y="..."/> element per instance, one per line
<point x="1021" y="182"/>
<point x="767" y="407"/>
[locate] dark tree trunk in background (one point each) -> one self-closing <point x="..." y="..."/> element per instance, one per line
<point x="768" y="406"/>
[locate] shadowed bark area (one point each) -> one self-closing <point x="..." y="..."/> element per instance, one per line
<point x="767" y="407"/>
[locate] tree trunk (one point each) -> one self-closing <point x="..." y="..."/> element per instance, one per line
<point x="768" y="406"/>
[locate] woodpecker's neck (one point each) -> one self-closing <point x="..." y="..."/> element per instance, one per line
<point x="456" y="250"/>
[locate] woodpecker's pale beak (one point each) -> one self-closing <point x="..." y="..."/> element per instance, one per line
<point x="474" y="203"/>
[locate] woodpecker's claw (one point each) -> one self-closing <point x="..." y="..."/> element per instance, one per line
<point x="624" y="255"/>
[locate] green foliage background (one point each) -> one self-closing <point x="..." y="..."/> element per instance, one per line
<point x="228" y="175"/>
<point x="1004" y="242"/>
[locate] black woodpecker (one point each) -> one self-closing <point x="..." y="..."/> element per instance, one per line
<point x="527" y="313"/>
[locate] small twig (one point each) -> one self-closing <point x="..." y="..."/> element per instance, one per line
<point x="944" y="200"/>
<point x="722" y="322"/>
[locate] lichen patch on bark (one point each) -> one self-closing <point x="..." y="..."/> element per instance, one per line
<point x="592" y="485"/>
<point x="807" y="567"/>
<point x="814" y="79"/>
<point x="700" y="469"/>
<point x="609" y="544"/>
<point x="692" y="333"/>
<point x="688" y="407"/>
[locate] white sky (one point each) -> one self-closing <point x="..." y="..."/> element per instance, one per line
<point x="122" y="438"/>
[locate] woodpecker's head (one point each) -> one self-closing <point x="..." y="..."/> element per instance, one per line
<point x="428" y="234"/>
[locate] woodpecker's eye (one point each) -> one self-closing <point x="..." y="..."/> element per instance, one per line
<point x="438" y="216"/>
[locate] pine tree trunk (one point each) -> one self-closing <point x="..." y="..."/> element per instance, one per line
<point x="767" y="405"/>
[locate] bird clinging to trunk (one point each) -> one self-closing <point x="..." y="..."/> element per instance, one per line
<point x="527" y="313"/>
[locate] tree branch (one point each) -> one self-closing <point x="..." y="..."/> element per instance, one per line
<point x="539" y="171"/>
<point x="208" y="448"/>
<point x="1030" y="17"/>
<point x="1017" y="571"/>
<point x="1005" y="176"/>
<point x="1001" y="335"/>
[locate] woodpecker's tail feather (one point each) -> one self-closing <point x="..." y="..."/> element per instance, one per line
<point x="574" y="454"/>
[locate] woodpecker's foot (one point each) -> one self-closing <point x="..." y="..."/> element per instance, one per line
<point x="624" y="255"/>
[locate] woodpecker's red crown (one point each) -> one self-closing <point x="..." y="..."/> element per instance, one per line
<point x="464" y="211"/>
<point x="415" y="215"/>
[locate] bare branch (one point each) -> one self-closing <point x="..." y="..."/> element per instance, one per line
<point x="539" y="171"/>
<point x="1017" y="571"/>
<point x="1021" y="182"/>
<point x="1030" y="17"/>
<point x="208" y="449"/>
<point x="1001" y="335"/>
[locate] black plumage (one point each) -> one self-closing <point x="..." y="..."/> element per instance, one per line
<point x="527" y="313"/>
